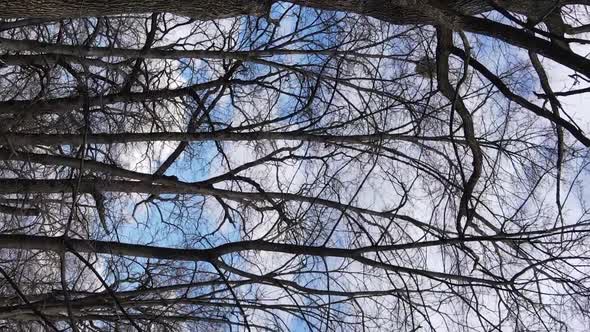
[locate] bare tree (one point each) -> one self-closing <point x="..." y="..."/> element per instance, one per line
<point x="300" y="165"/>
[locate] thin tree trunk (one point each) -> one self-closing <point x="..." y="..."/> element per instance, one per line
<point x="58" y="244"/>
<point x="68" y="104"/>
<point x="20" y="186"/>
<point x="18" y="139"/>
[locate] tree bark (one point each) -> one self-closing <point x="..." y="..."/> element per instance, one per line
<point x="201" y="9"/>
<point x="403" y="10"/>
<point x="59" y="244"/>
<point x="68" y="104"/>
<point x="454" y="14"/>
<point x="20" y="186"/>
<point x="18" y="139"/>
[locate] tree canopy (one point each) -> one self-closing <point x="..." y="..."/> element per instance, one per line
<point x="404" y="165"/>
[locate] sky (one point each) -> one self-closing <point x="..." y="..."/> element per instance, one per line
<point x="375" y="195"/>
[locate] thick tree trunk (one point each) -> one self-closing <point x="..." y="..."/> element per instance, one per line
<point x="454" y="14"/>
<point x="199" y="9"/>
<point x="400" y="11"/>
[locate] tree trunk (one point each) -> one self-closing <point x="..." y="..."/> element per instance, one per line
<point x="400" y="11"/>
<point x="201" y="9"/>
<point x="454" y="14"/>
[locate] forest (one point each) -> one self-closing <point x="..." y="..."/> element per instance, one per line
<point x="349" y="165"/>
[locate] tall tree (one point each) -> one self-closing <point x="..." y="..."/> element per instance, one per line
<point x="300" y="165"/>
